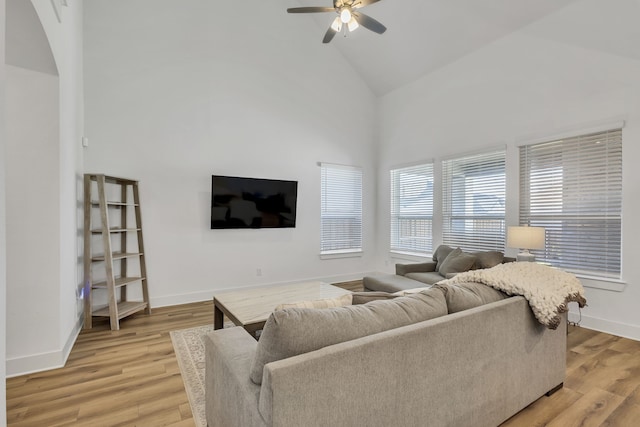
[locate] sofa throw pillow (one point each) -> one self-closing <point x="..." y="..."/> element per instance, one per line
<point x="319" y="303"/>
<point x="441" y="254"/>
<point x="457" y="262"/>
<point x="463" y="296"/>
<point x="296" y="331"/>
<point x="488" y="259"/>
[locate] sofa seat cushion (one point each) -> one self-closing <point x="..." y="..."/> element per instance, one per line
<point x="296" y="331"/>
<point x="463" y="296"/>
<point x="388" y="283"/>
<point x="429" y="278"/>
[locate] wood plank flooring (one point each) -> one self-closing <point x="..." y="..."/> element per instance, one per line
<point x="131" y="378"/>
<point x="113" y="378"/>
<point x="602" y="387"/>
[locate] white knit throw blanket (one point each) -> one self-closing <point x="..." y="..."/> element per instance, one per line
<point x="547" y="289"/>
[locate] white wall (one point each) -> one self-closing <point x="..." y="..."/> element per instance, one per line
<point x="3" y="238"/>
<point x="68" y="53"/>
<point x="516" y="90"/>
<point x="174" y="96"/>
<point x="32" y="212"/>
<point x="42" y="169"/>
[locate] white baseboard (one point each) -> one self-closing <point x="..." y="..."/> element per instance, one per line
<point x="44" y="361"/>
<point x="169" y="300"/>
<point x="178" y="299"/>
<point x="607" y="326"/>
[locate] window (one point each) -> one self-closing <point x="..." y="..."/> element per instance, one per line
<point x="341" y="209"/>
<point x="473" y="201"/>
<point x="412" y="209"/>
<point x="573" y="188"/>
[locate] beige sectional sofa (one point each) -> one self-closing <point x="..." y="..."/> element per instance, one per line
<point x="476" y="366"/>
<point x="446" y="263"/>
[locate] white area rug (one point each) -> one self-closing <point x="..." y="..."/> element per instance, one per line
<point x="188" y="345"/>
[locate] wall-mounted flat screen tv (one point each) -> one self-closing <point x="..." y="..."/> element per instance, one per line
<point x="238" y="202"/>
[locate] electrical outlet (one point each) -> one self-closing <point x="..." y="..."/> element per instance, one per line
<point x="258" y="272"/>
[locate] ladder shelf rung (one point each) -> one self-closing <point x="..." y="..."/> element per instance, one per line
<point x="114" y="230"/>
<point x="114" y="204"/>
<point x="120" y="282"/>
<point x="125" y="308"/>
<point x="118" y="255"/>
<point x="112" y="179"/>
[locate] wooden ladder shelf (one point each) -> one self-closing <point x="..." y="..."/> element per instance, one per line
<point x="111" y="195"/>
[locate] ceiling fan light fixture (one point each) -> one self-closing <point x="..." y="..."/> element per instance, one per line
<point x="353" y="24"/>
<point x="345" y="16"/>
<point x="337" y="24"/>
<point x="349" y="18"/>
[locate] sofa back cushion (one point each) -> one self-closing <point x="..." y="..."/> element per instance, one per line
<point x="463" y="296"/>
<point x="296" y="331"/>
<point x="365" y="297"/>
<point x="488" y="259"/>
<point x="340" y="301"/>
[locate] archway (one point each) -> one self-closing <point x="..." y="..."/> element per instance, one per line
<point x="32" y="153"/>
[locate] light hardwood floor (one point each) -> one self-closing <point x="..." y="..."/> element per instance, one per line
<point x="113" y="378"/>
<point x="131" y="377"/>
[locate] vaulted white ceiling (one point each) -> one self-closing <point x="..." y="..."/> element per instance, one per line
<point x="27" y="45"/>
<point x="424" y="35"/>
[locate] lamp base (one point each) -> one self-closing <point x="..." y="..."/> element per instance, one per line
<point x="525" y="256"/>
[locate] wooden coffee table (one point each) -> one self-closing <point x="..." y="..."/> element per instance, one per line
<point x="251" y="308"/>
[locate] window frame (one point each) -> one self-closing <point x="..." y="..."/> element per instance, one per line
<point x="583" y="192"/>
<point x="476" y="163"/>
<point x="423" y="211"/>
<point x="334" y="206"/>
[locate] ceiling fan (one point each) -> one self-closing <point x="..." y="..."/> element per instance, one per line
<point x="348" y="17"/>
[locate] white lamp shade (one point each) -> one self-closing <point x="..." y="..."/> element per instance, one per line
<point x="526" y="237"/>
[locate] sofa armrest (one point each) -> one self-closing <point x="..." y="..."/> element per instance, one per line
<point x="231" y="398"/>
<point x="423" y="267"/>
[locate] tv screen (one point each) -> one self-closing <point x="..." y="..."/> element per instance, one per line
<point x="238" y="202"/>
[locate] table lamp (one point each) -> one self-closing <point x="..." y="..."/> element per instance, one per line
<point x="525" y="238"/>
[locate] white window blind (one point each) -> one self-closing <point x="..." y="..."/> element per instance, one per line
<point x="573" y="188"/>
<point x="412" y="209"/>
<point x="473" y="201"/>
<point x="341" y="209"/>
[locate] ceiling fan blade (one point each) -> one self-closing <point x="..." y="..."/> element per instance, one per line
<point x="369" y="23"/>
<point x="311" y="9"/>
<point x="362" y="3"/>
<point x="328" y="36"/>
